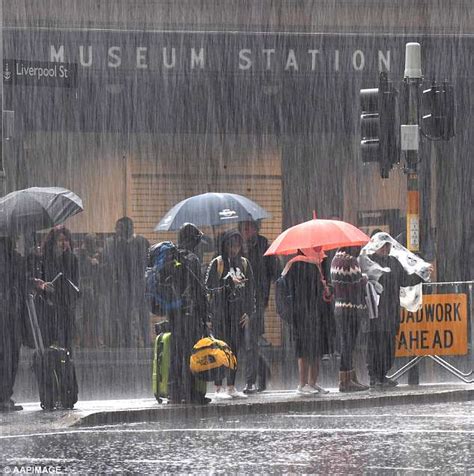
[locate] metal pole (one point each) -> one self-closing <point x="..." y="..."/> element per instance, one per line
<point x="411" y="144"/>
<point x="2" y="168"/>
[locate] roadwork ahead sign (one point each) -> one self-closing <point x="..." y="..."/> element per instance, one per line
<point x="438" y="328"/>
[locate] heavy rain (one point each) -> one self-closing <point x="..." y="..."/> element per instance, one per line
<point x="236" y="237"/>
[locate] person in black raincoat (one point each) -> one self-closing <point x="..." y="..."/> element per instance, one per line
<point x="233" y="306"/>
<point x="384" y="329"/>
<point x="90" y="309"/>
<point x="57" y="303"/>
<point x="125" y="260"/>
<point x="265" y="270"/>
<point x="12" y="309"/>
<point x="187" y="323"/>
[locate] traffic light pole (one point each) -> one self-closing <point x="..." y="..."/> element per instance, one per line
<point x="413" y="191"/>
<point x="411" y="146"/>
<point x="2" y="166"/>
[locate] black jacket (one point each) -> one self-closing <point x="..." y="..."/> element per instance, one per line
<point x="265" y="268"/>
<point x="229" y="303"/>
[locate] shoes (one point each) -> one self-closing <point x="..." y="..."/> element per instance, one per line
<point x="249" y="389"/>
<point x="233" y="393"/>
<point x="348" y="382"/>
<point x="261" y="388"/>
<point x="326" y="357"/>
<point x="221" y="394"/>
<point x="385" y="382"/>
<point x="303" y="391"/>
<point x="316" y="389"/>
<point x="10" y="406"/>
<point x="388" y="382"/>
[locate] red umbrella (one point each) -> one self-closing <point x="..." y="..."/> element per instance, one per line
<point x="316" y="233"/>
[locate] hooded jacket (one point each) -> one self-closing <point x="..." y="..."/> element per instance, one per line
<point x="230" y="302"/>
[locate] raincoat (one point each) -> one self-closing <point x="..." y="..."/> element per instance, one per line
<point x="57" y="309"/>
<point x="229" y="303"/>
<point x="12" y="296"/>
<point x="124" y="276"/>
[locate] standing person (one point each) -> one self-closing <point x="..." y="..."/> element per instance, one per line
<point x="187" y="322"/>
<point x="125" y="259"/>
<point x="265" y="270"/>
<point x="233" y="306"/>
<point x="58" y="308"/>
<point x="310" y="316"/>
<point x="350" y="308"/>
<point x="391" y="266"/>
<point x="13" y="296"/>
<point x="88" y="255"/>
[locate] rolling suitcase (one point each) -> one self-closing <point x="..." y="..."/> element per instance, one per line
<point x="161" y="365"/>
<point x="53" y="367"/>
<point x="161" y="368"/>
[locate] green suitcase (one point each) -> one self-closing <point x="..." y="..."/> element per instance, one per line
<point x="161" y="365"/>
<point x="161" y="368"/>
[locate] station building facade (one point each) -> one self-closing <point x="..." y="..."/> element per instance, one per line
<point x="163" y="102"/>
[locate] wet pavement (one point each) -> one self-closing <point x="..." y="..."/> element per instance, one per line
<point x="399" y="439"/>
<point x="107" y="411"/>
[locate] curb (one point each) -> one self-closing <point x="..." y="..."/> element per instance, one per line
<point x="322" y="404"/>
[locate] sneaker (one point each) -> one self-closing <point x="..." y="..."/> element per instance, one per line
<point x="303" y="391"/>
<point x="316" y="389"/>
<point x="249" y="389"/>
<point x="233" y="393"/>
<point x="10" y="406"/>
<point x="261" y="388"/>
<point x="221" y="394"/>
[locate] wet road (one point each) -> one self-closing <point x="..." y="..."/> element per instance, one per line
<point x="404" y="439"/>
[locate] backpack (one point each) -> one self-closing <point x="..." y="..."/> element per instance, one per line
<point x="210" y="358"/>
<point x="166" y="269"/>
<point x="284" y="298"/>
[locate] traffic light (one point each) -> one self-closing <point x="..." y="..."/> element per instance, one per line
<point x="380" y="125"/>
<point x="438" y="112"/>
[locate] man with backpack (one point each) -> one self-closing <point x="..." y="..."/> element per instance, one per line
<point x="187" y="318"/>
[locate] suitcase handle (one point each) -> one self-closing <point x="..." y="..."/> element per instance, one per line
<point x="37" y="337"/>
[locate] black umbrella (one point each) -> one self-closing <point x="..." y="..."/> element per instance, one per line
<point x="211" y="209"/>
<point x="36" y="208"/>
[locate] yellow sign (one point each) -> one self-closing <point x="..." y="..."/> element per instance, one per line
<point x="438" y="328"/>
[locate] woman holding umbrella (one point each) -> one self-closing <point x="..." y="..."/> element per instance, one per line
<point x="58" y="265"/>
<point x="233" y="305"/>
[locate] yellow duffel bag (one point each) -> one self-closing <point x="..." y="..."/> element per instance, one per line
<point x="210" y="358"/>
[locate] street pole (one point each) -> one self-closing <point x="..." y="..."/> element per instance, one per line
<point x="2" y="165"/>
<point x="410" y="143"/>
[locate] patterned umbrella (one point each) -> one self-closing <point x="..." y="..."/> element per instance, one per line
<point x="211" y="209"/>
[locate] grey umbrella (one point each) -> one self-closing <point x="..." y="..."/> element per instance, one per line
<point x="36" y="208"/>
<point x="211" y="209"/>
